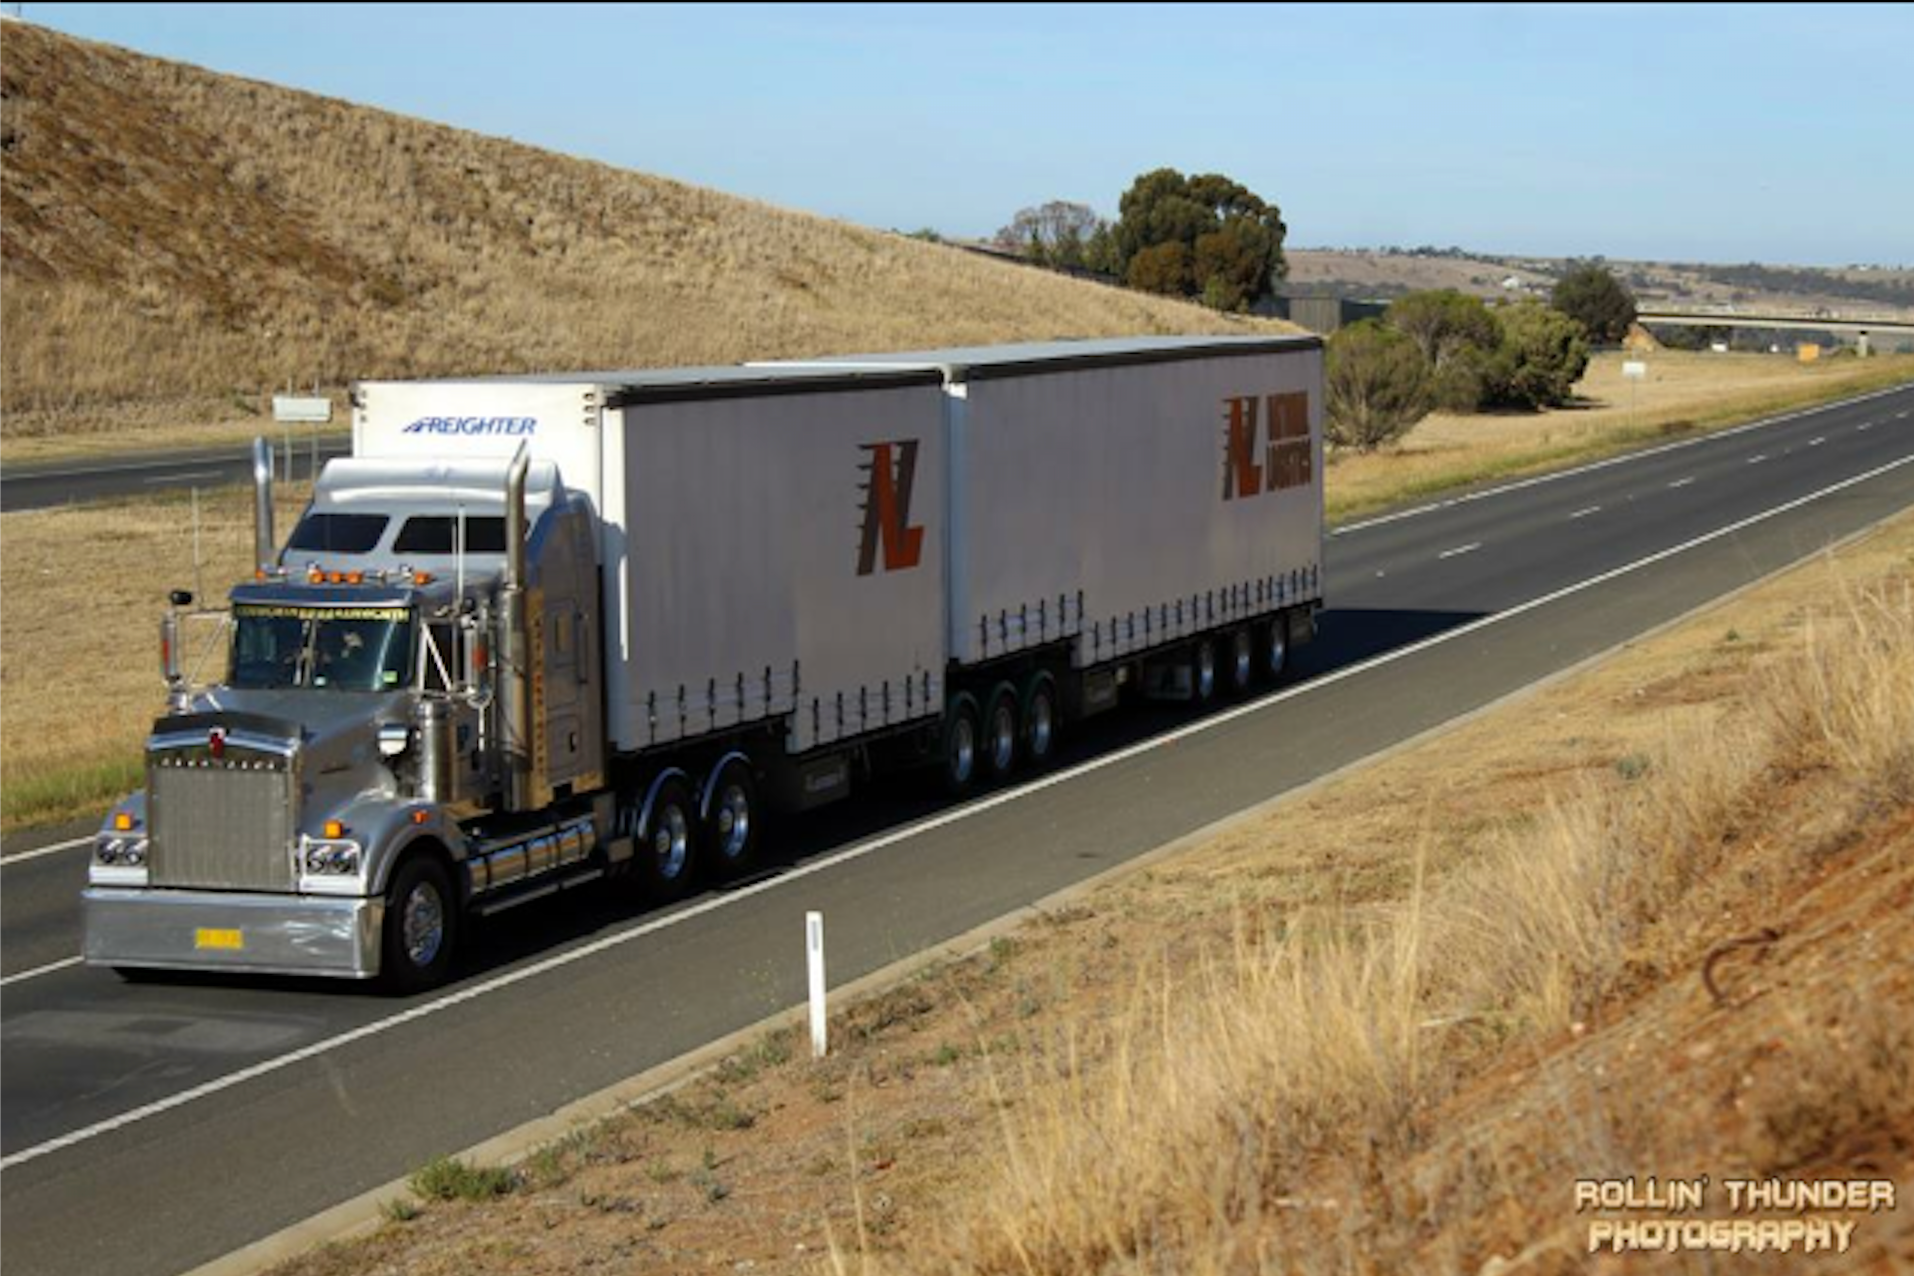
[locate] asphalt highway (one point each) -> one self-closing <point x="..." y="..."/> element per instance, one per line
<point x="147" y="1128"/>
<point x="32" y="485"/>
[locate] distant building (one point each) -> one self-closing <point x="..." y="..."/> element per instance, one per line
<point x="1323" y="314"/>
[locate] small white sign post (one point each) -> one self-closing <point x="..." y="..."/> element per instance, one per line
<point x="1636" y="371"/>
<point x="310" y="410"/>
<point x="814" y="963"/>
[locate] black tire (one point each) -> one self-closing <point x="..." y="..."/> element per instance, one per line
<point x="667" y="849"/>
<point x="1240" y="662"/>
<point x="421" y="932"/>
<point x="1204" y="675"/>
<point x="1001" y="743"/>
<point x="138" y="974"/>
<point x="960" y="760"/>
<point x="732" y="822"/>
<point x="1275" y="659"/>
<point x="1041" y="719"/>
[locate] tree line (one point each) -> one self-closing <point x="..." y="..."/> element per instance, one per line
<point x="1204" y="237"/>
<point x="1209" y="238"/>
<point x="1443" y="350"/>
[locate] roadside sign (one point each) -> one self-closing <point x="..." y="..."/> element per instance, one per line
<point x="314" y="411"/>
<point x="1635" y="369"/>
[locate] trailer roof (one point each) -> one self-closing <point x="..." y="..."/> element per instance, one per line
<point x="978" y="363"/>
<point x="650" y="385"/>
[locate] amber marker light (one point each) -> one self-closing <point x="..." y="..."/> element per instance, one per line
<point x="335" y="829"/>
<point x="122" y="822"/>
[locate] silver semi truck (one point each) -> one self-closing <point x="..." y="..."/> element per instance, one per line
<point x="540" y="632"/>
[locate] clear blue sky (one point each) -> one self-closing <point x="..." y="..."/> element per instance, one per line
<point x="1780" y="133"/>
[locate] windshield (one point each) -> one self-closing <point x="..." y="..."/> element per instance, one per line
<point x="334" y="648"/>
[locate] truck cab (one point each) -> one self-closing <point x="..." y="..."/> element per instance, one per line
<point x="336" y="798"/>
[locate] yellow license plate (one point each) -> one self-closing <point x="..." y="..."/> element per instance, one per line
<point x="223" y="940"/>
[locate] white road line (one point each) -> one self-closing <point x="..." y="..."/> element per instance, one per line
<point x="1593" y="509"/>
<point x="1683" y="482"/>
<point x="1756" y="460"/>
<point x="40" y="970"/>
<point x="1818" y="442"/>
<point x="1624" y="459"/>
<point x="1460" y="550"/>
<point x="267" y="1066"/>
<point x="1865" y="426"/>
<point x="54" y="849"/>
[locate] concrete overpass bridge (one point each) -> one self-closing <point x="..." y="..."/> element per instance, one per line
<point x="1861" y="327"/>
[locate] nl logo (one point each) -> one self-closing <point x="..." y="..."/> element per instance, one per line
<point x="1265" y="444"/>
<point x="889" y="476"/>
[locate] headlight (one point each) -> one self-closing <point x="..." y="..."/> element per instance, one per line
<point x="332" y="859"/>
<point x="130" y="851"/>
<point x="118" y="860"/>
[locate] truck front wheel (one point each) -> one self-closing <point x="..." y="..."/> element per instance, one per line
<point x="421" y="926"/>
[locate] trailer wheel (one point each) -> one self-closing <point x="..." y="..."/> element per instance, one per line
<point x="731" y="820"/>
<point x="1000" y="734"/>
<point x="421" y="926"/>
<point x="1242" y="661"/>
<point x="669" y="842"/>
<point x="1039" y="721"/>
<point x="960" y="744"/>
<point x="1276" y="648"/>
<point x="1203" y="672"/>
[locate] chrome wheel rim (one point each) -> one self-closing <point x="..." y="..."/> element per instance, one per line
<point x="1042" y="726"/>
<point x="1245" y="662"/>
<point x="1278" y="649"/>
<point x="1003" y="738"/>
<point x="734" y="821"/>
<point x="423" y="925"/>
<point x="671" y="843"/>
<point x="1205" y="671"/>
<point x="963" y="751"/>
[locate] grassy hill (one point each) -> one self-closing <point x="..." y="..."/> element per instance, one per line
<point x="178" y="241"/>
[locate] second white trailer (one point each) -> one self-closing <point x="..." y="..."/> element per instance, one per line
<point x="1125" y="494"/>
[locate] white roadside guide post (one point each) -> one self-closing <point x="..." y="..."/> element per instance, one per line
<point x="814" y="963"/>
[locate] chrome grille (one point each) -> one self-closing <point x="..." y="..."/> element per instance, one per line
<point x="220" y="828"/>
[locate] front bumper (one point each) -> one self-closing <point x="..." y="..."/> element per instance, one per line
<point x="219" y="930"/>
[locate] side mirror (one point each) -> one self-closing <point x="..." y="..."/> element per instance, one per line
<point x="181" y="598"/>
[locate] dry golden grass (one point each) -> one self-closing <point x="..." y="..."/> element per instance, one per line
<point x="1275" y="1106"/>
<point x="179" y="242"/>
<point x="1683" y="393"/>
<point x="79" y="640"/>
<point x="1378" y="1027"/>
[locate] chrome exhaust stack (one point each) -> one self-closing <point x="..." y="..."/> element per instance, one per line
<point x="265" y="546"/>
<point x="515" y="696"/>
